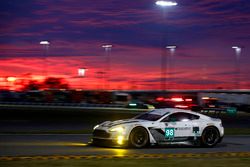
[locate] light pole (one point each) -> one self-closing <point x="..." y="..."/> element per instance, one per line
<point x="238" y="50"/>
<point x="170" y="61"/>
<point x="164" y="4"/>
<point x="100" y="75"/>
<point x="82" y="73"/>
<point x="107" y="48"/>
<point x="45" y="45"/>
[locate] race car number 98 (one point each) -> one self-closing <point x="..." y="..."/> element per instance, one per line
<point x="169" y="132"/>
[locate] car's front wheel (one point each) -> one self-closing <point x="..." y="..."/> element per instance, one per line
<point x="210" y="137"/>
<point x="138" y="137"/>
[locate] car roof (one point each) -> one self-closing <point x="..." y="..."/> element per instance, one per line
<point x="163" y="111"/>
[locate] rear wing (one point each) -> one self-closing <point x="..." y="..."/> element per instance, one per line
<point x="216" y="112"/>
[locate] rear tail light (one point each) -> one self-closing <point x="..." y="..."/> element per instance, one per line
<point x="177" y="99"/>
<point x="189" y="100"/>
<point x="160" y="99"/>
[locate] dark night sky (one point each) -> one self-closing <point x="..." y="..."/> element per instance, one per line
<point x="203" y="30"/>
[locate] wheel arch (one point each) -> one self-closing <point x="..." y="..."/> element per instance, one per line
<point x="146" y="129"/>
<point x="211" y="126"/>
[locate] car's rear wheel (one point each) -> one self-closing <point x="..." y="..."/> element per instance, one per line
<point x="210" y="137"/>
<point x="138" y="137"/>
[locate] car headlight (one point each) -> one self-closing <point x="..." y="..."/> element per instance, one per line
<point x="117" y="129"/>
<point x="96" y="127"/>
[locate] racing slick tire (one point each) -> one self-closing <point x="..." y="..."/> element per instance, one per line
<point x="138" y="137"/>
<point x="210" y="137"/>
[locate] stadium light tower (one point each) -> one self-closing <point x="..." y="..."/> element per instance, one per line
<point x="107" y="48"/>
<point x="238" y="50"/>
<point x="45" y="45"/>
<point x="171" y="48"/>
<point x="164" y="4"/>
<point x="170" y="61"/>
<point x="82" y="72"/>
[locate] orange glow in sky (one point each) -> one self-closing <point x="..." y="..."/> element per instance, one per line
<point x="15" y="72"/>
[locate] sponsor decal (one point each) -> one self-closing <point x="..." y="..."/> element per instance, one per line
<point x="183" y="128"/>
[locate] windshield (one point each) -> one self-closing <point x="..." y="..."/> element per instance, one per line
<point x="151" y="116"/>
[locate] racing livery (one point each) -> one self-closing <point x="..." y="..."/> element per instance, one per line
<point x="160" y="126"/>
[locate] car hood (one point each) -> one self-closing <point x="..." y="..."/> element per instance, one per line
<point x="121" y="122"/>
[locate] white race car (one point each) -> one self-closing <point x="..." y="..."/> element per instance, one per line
<point x="160" y="126"/>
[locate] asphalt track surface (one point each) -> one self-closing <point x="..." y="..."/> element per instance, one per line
<point x="60" y="144"/>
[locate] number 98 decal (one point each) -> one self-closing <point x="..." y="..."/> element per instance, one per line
<point x="169" y="133"/>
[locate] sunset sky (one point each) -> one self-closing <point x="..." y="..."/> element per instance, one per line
<point x="204" y="32"/>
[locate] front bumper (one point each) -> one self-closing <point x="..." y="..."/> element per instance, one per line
<point x="108" y="142"/>
<point x="101" y="137"/>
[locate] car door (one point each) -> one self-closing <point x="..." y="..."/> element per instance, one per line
<point x="178" y="125"/>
